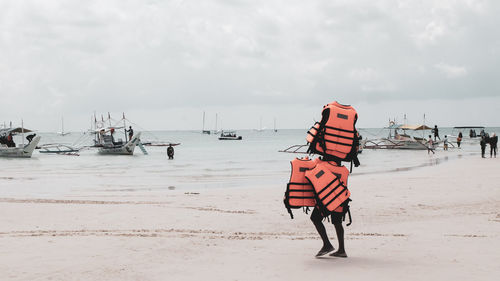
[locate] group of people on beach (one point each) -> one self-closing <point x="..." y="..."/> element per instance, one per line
<point x="492" y="141"/>
<point x="486" y="139"/>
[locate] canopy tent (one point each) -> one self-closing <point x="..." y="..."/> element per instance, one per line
<point x="17" y="130"/>
<point x="415" y="127"/>
<point x="409" y="127"/>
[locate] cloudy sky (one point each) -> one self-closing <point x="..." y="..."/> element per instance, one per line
<point x="165" y="62"/>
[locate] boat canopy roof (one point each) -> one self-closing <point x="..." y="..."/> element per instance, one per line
<point x="415" y="127"/>
<point x="469" y="127"/>
<point x="16" y="130"/>
<point x="106" y="129"/>
<point x="409" y="127"/>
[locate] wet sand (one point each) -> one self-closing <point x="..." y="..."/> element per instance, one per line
<point x="438" y="222"/>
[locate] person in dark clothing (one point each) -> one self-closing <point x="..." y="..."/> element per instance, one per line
<point x="483" y="145"/>
<point x="170" y="152"/>
<point x="10" y="141"/>
<point x="317" y="220"/>
<point x="436" y="132"/>
<point x="30" y="137"/>
<point x="459" y="139"/>
<point x="493" y="145"/>
<point x="130" y="133"/>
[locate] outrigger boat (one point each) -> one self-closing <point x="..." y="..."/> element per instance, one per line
<point x="58" y="148"/>
<point x="229" y="135"/>
<point x="106" y="143"/>
<point x="397" y="140"/>
<point x="8" y="148"/>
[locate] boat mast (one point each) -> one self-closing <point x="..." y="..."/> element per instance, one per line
<point x="124" y="127"/>
<point x="203" y="128"/>
<point x="275" y="125"/>
<point x="22" y="130"/>
<point x="216" y="123"/>
<point x="62" y="126"/>
<point x="424" y="127"/>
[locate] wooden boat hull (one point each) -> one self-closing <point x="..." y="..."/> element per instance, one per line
<point x="20" y="152"/>
<point x="231" y="138"/>
<point x="126" y="149"/>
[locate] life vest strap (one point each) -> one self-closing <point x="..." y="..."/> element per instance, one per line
<point x="298" y="183"/>
<point x="328" y="185"/>
<point x="339" y="129"/>
<point x="333" y="190"/>
<point x="336" y="196"/>
<point x="338" y="136"/>
<point x="336" y="142"/>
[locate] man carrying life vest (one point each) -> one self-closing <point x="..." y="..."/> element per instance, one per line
<point x="336" y="139"/>
<point x="337" y="215"/>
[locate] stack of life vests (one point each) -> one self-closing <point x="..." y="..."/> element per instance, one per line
<point x="322" y="182"/>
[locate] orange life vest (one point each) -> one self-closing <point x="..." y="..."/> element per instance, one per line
<point x="299" y="191"/>
<point x="330" y="185"/>
<point x="335" y="137"/>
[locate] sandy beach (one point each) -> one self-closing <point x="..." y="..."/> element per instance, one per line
<point x="432" y="223"/>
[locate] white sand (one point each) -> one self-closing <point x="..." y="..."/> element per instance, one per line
<point x="433" y="223"/>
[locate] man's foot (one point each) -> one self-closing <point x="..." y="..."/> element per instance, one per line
<point x="339" y="254"/>
<point x="325" y="250"/>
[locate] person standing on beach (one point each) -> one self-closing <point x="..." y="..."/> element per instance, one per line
<point x="493" y="145"/>
<point x="317" y="220"/>
<point x="459" y="139"/>
<point x="430" y="145"/>
<point x="445" y="143"/>
<point x="436" y="132"/>
<point x="483" y="145"/>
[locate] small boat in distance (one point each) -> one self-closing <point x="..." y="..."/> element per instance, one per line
<point x="62" y="132"/>
<point x="469" y="133"/>
<point x="203" y="131"/>
<point x="229" y="135"/>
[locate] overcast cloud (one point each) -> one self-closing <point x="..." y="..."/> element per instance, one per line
<point x="165" y="62"/>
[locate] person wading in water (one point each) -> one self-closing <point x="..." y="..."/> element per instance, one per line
<point x="170" y="152"/>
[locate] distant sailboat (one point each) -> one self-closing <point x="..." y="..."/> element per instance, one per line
<point x="275" y="130"/>
<point x="203" y="131"/>
<point x="260" y="129"/>
<point x="62" y="132"/>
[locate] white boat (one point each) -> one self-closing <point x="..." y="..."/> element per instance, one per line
<point x="107" y="144"/>
<point x="110" y="147"/>
<point x="62" y="132"/>
<point x="404" y="140"/>
<point x="203" y="131"/>
<point x="22" y="150"/>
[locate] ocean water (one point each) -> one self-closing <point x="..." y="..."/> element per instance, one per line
<point x="201" y="162"/>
